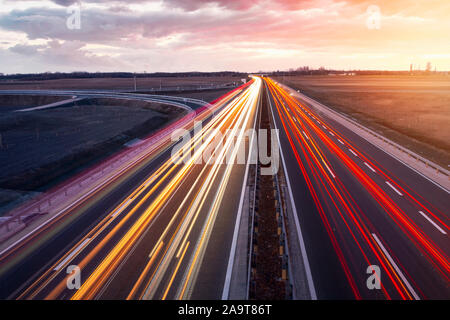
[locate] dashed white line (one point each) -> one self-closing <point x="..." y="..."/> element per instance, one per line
<point x="340" y="141"/>
<point x="432" y="222"/>
<point x="74" y="252"/>
<point x="353" y="152"/>
<point x="331" y="133"/>
<point x="394" y="188"/>
<point x="115" y="213"/>
<point x="331" y="172"/>
<point x="305" y="135"/>
<point x="397" y="269"/>
<point x="368" y="166"/>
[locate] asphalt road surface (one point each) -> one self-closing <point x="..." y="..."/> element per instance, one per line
<point x="162" y="232"/>
<point x="359" y="207"/>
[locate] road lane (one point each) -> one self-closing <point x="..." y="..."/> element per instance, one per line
<point x="152" y="243"/>
<point x="351" y="203"/>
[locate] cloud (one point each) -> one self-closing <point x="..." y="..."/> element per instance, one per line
<point x="27" y="50"/>
<point x="258" y="32"/>
<point x="70" y="54"/>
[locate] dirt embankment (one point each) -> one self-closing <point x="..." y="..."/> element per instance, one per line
<point x="119" y="83"/>
<point x="137" y="104"/>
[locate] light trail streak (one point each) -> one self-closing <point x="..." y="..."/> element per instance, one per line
<point x="91" y="286"/>
<point x="339" y="191"/>
<point x="157" y="178"/>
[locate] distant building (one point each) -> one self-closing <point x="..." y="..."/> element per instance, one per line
<point x="304" y="68"/>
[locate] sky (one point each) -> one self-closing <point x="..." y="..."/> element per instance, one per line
<point x="234" y="35"/>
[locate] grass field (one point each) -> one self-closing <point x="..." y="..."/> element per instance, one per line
<point x="413" y="111"/>
<point x="118" y="83"/>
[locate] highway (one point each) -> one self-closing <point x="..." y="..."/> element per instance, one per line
<point x="163" y="232"/>
<point x="357" y="206"/>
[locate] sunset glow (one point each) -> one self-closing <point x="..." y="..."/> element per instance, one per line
<point x="219" y="35"/>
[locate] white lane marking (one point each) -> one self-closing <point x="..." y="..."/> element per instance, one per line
<point x="312" y="289"/>
<point x="119" y="210"/>
<point x="226" y="286"/>
<point x="74" y="252"/>
<point x="331" y="133"/>
<point x="331" y="172"/>
<point x="324" y="127"/>
<point x="432" y="222"/>
<point x="368" y="166"/>
<point x="340" y="141"/>
<point x="397" y="269"/>
<point x="394" y="188"/>
<point x="305" y="135"/>
<point x="353" y="152"/>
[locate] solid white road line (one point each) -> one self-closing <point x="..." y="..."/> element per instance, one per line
<point x="394" y="188"/>
<point x="432" y="222"/>
<point x="397" y="269"/>
<point x="353" y="152"/>
<point x="368" y="166"/>
<point x="311" y="287"/>
<point x="74" y="252"/>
